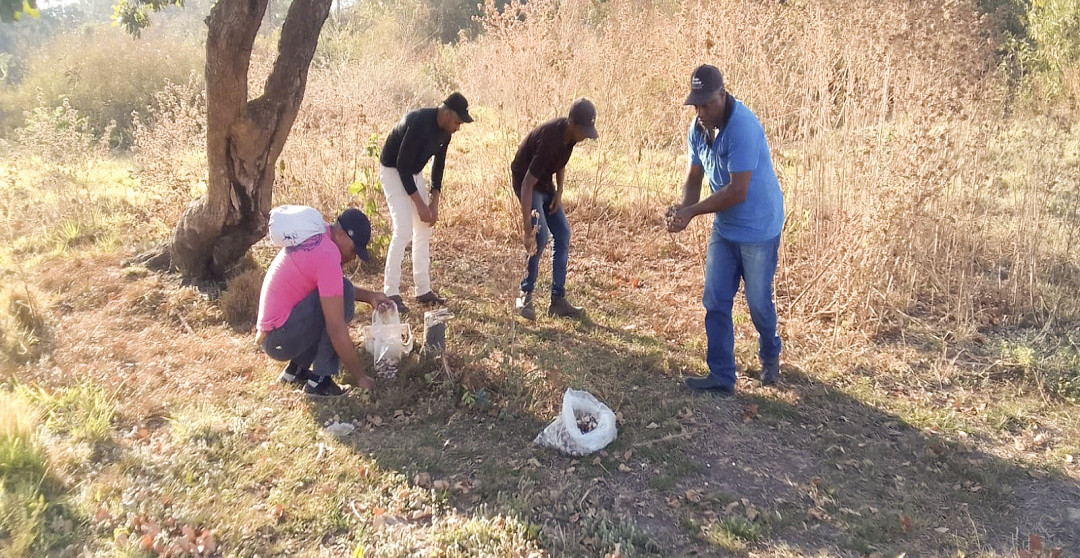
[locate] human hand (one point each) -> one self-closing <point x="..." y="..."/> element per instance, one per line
<point x="380" y="301"/>
<point x="424" y="212"/>
<point x="531" y="227"/>
<point x="530" y="243"/>
<point x="556" y="204"/>
<point x="364" y="381"/>
<point x="678" y="218"/>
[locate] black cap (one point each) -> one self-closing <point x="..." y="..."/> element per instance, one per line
<point x="704" y="83"/>
<point x="358" y="227"/>
<point x="457" y="103"/>
<point x="583" y="113"/>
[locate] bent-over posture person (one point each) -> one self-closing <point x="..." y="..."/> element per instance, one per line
<point x="306" y="303"/>
<point x="419" y="136"/>
<point x="726" y="143"/>
<point x="542" y="155"/>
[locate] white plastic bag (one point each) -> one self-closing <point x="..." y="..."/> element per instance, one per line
<point x="292" y="224"/>
<point x="564" y="434"/>
<point x="388" y="340"/>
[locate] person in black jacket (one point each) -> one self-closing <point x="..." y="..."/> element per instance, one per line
<point x="420" y="135"/>
<point x="543" y="154"/>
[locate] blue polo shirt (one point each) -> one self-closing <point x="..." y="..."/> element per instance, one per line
<point x="740" y="147"/>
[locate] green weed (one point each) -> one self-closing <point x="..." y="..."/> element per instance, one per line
<point x="83" y="411"/>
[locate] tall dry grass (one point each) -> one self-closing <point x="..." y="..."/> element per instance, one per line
<point x="879" y="118"/>
<point x="911" y="195"/>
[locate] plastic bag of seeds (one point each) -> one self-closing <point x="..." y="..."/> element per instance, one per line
<point x="388" y="340"/>
<point x="584" y="426"/>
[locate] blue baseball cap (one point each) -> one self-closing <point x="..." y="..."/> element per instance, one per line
<point x="358" y="227"/>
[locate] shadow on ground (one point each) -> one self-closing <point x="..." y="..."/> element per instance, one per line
<point x="803" y="468"/>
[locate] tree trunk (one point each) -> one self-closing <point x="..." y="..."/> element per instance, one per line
<point x="243" y="138"/>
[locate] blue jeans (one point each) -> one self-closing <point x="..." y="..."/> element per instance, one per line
<point x="303" y="339"/>
<point x="556" y="227"/>
<point x="725" y="263"/>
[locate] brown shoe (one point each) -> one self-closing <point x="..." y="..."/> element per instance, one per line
<point x="430" y="298"/>
<point x="561" y="308"/>
<point x="524" y="305"/>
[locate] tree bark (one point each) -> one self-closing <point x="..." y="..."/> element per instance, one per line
<point x="243" y="138"/>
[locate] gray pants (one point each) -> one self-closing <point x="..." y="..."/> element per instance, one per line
<point x="303" y="339"/>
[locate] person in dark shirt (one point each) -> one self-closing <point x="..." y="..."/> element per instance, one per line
<point x="420" y="135"/>
<point x="543" y="154"/>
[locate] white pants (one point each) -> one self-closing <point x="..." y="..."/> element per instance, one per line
<point x="407" y="227"/>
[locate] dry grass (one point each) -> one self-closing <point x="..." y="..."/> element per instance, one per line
<point x="240" y="301"/>
<point x="24" y="332"/>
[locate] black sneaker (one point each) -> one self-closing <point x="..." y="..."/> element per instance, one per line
<point x="431" y="299"/>
<point x="291" y="376"/>
<point x="401" y="308"/>
<point x="708" y="384"/>
<point x="323" y="386"/>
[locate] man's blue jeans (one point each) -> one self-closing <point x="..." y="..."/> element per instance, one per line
<point x="553" y="226"/>
<point x="726" y="263"/>
<point x="303" y="338"/>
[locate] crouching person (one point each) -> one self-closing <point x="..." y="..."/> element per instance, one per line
<point x="307" y="302"/>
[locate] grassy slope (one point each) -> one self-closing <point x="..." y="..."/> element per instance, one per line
<point x="918" y="445"/>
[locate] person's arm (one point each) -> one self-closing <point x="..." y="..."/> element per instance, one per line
<point x="732" y="194"/>
<point x="333" y="308"/>
<point x="438" y="166"/>
<point x="436" y="182"/>
<point x="408" y="152"/>
<point x="745" y="142"/>
<point x="373" y="298"/>
<point x="556" y="201"/>
<point x="433" y="204"/>
<point x="528" y="184"/>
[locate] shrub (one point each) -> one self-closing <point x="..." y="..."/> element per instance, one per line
<point x="56" y="133"/>
<point x="240" y="301"/>
<point x="104" y="74"/>
<point x="24" y="334"/>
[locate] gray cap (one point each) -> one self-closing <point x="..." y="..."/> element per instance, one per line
<point x="583" y="114"/>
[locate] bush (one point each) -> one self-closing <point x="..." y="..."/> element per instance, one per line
<point x="169" y="143"/>
<point x="104" y="74"/>
<point x="240" y="301"/>
<point x="23" y="330"/>
<point x="56" y="133"/>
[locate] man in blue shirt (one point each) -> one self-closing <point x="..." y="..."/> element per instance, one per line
<point x="726" y="143"/>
